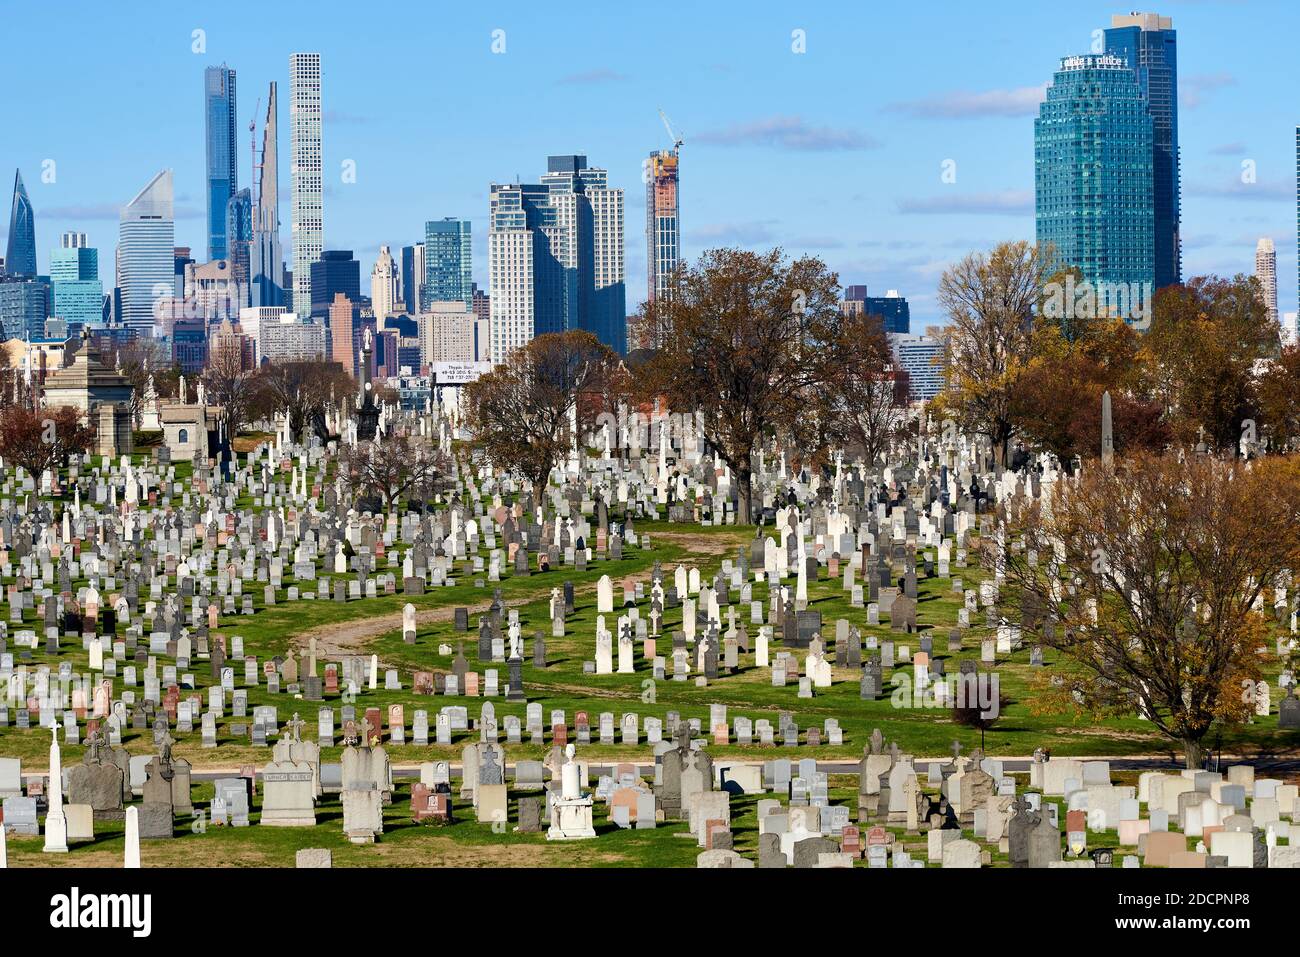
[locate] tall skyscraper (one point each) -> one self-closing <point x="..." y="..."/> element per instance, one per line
<point x="146" y="252"/>
<point x="663" y="231"/>
<point x="1093" y="177"/>
<point x="555" y="257"/>
<point x="1149" y="43"/>
<point x="239" y="240"/>
<point x="266" y="264"/>
<point x="1266" y="273"/>
<point x="342" y="326"/>
<point x="412" y="277"/>
<point x="223" y="163"/>
<point x="306" y="172"/>
<point x="448" y="272"/>
<point x="384" y="286"/>
<point x="20" y="255"/>
<point x="74" y="276"/>
<point x="607" y="316"/>
<point x="336" y="271"/>
<point x="523" y="280"/>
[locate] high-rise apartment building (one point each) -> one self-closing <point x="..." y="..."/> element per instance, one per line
<point x="1094" y="200"/>
<point x="1148" y="43"/>
<point x="306" y="173"/>
<point x="413" y="277"/>
<point x="342" y="331"/>
<point x="221" y="141"/>
<point x="1266" y="273"/>
<point x="448" y="264"/>
<point x="146" y="252"/>
<point x="555" y="257"/>
<point x="663" y="232"/>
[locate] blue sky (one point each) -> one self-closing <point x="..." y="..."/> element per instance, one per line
<point x="837" y="151"/>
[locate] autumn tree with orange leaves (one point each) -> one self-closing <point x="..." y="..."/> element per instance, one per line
<point x="1145" y="578"/>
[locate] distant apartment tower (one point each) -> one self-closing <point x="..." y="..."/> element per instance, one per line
<point x="342" y="332"/>
<point x="146" y="252"/>
<point x="20" y="254"/>
<point x="306" y="173"/>
<point x="450" y="332"/>
<point x="588" y="242"/>
<point x="555" y="257"/>
<point x="412" y="277"/>
<point x="663" y="232"/>
<point x="922" y="358"/>
<point x="221" y="141"/>
<point x="1266" y="273"/>
<point x="523" y="281"/>
<point x="385" y="282"/>
<point x="266" y="262"/>
<point x="74" y="278"/>
<point x="1094" y="199"/>
<point x="448" y="262"/>
<point x="1149" y="44"/>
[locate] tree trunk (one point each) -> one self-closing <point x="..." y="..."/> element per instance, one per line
<point x="1193" y="753"/>
<point x="745" y="493"/>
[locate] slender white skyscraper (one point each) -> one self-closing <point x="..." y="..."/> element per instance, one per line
<point x="305" y="168"/>
<point x="385" y="288"/>
<point x="146" y="252"/>
<point x="1266" y="273"/>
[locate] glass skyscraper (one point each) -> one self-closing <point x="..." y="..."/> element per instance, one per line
<point x="239" y="240"/>
<point x="146" y="252"/>
<point x="1149" y="44"/>
<point x="1093" y="174"/>
<point x="555" y="257"/>
<point x="78" y="291"/>
<point x="20" y="254"/>
<point x="413" y="277"/>
<point x="448" y="263"/>
<point x="221" y="141"/>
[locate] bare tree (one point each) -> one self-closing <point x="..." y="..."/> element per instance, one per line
<point x="522" y="412"/>
<point x="302" y="389"/>
<point x="393" y="468"/>
<point x="230" y="387"/>
<point x="753" y="343"/>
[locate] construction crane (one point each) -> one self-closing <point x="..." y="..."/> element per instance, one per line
<point x="677" y="141"/>
<point x="254" y="165"/>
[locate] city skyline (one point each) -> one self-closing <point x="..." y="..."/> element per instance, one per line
<point x="861" y="176"/>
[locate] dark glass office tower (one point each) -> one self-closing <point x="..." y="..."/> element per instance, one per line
<point x="20" y="254"/>
<point x="335" y="272"/>
<point x="1150" y="45"/>
<point x="221" y="140"/>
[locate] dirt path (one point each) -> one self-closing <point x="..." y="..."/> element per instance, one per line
<point x="351" y="637"/>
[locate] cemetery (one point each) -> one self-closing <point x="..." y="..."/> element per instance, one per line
<point x="228" y="662"/>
